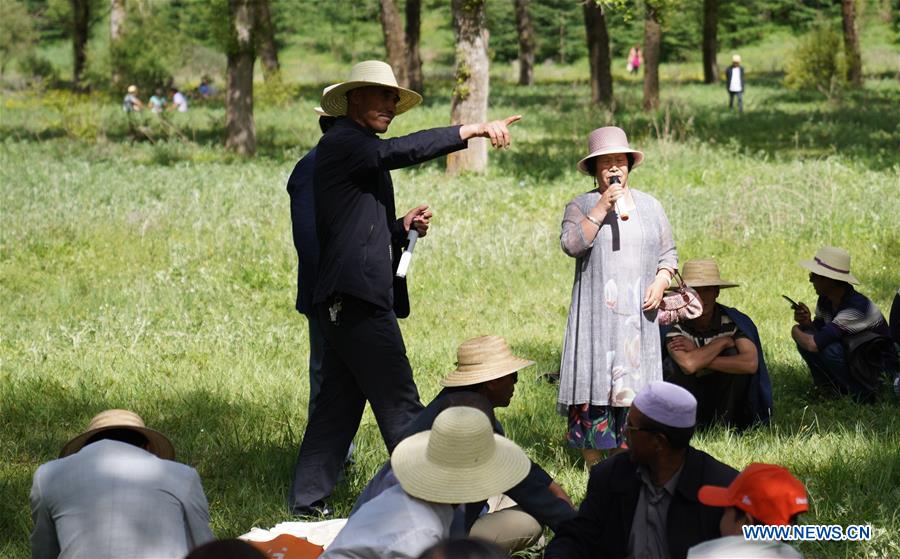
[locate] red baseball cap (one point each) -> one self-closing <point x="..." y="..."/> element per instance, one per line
<point x="768" y="492"/>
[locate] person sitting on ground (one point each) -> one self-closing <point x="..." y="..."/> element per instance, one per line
<point x="847" y="346"/>
<point x="116" y="492"/>
<point x="460" y="460"/>
<point x="179" y="101"/>
<point x="643" y="503"/>
<point x="488" y="370"/>
<point x="464" y="548"/>
<point x="760" y="494"/>
<point x="157" y="103"/>
<point x="132" y="103"/>
<point x="718" y="356"/>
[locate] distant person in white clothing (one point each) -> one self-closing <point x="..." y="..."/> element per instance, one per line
<point x="116" y="492"/>
<point x="179" y="101"/>
<point x="734" y="81"/>
<point x="762" y="494"/>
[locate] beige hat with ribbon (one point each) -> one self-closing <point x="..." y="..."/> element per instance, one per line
<point x="482" y="359"/>
<point x="831" y="262"/>
<point x="606" y="140"/>
<point x="460" y="460"/>
<point x="703" y="272"/>
<point x="364" y="74"/>
<point x="121" y="419"/>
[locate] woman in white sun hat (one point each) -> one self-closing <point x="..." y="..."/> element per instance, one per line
<point x="624" y="256"/>
<point x="847" y="344"/>
<point x="460" y="460"/>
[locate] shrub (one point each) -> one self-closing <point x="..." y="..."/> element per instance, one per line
<point x="38" y="67"/>
<point x="818" y="63"/>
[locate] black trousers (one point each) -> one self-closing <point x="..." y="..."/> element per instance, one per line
<point x="721" y="397"/>
<point x="365" y="359"/>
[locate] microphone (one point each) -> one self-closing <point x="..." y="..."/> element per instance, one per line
<point x="622" y="211"/>
<point x="406" y="257"/>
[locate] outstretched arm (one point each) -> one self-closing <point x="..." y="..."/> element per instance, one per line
<point x="496" y="130"/>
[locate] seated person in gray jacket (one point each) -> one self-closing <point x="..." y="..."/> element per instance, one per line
<point x="115" y="492"/>
<point x="485" y="377"/>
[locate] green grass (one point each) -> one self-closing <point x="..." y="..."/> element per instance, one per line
<point x="149" y="269"/>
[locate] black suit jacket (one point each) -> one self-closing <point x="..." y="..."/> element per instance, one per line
<point x="356" y="223"/>
<point x="603" y="525"/>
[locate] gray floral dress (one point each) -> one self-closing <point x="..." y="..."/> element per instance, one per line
<point x="611" y="348"/>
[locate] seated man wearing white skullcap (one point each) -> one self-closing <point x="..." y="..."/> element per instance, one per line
<point x="643" y="503"/>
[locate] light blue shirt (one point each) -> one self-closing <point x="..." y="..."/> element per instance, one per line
<point x="114" y="500"/>
<point x="393" y="525"/>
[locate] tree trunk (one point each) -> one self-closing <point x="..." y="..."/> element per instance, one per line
<point x="239" y="97"/>
<point x="268" y="49"/>
<point x="526" y="43"/>
<point x="851" y="43"/>
<point x="598" y="54"/>
<point x="80" y="20"/>
<point x="116" y="30"/>
<point x="414" y="59"/>
<point x="470" y="96"/>
<point x="394" y="40"/>
<point x="710" y="40"/>
<point x="652" y="36"/>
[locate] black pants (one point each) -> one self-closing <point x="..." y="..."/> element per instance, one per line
<point x="365" y="359"/>
<point x="721" y="397"/>
<point x="740" y="98"/>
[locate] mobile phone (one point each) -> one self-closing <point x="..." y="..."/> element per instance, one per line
<point x="793" y="303"/>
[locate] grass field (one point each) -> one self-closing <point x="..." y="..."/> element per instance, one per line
<point x="143" y="267"/>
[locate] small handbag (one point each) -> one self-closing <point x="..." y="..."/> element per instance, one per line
<point x="680" y="303"/>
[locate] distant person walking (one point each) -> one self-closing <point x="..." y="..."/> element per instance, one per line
<point x="132" y="103"/>
<point x="734" y="80"/>
<point x="635" y="58"/>
<point x="179" y="101"/>
<point x="157" y="101"/>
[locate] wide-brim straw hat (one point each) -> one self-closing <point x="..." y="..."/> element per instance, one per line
<point x="319" y="110"/>
<point x="121" y="419"/>
<point x="482" y="359"/>
<point x="736" y="58"/>
<point x="460" y="460"/>
<point x="606" y="140"/>
<point x="364" y="74"/>
<point x="704" y="272"/>
<point x="831" y="262"/>
<point x="132" y="89"/>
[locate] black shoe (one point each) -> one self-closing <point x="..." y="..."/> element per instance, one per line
<point x="319" y="510"/>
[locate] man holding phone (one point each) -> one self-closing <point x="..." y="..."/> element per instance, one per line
<point x="847" y="344"/>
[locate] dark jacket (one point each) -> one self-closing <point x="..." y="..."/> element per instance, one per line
<point x="728" y="78"/>
<point x="356" y="221"/>
<point x="303" y="227"/>
<point x="603" y="525"/>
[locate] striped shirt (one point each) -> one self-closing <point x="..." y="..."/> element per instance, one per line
<point x="720" y="325"/>
<point x="855" y="314"/>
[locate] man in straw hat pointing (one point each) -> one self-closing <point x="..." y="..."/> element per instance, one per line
<point x="360" y="239"/>
<point x="460" y="460"/>
<point x="847" y="345"/>
<point x="115" y="492"/>
<point x="718" y="356"/>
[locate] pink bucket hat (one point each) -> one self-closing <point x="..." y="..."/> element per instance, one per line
<point x="606" y="140"/>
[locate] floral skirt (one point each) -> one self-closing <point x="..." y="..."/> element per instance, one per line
<point x="596" y="427"/>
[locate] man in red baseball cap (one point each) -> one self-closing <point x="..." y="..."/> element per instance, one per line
<point x="761" y="494"/>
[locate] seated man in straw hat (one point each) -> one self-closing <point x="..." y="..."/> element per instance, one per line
<point x="488" y="371"/>
<point x="718" y="356"/>
<point x="115" y="492"/>
<point x="643" y="503"/>
<point x="761" y="494"/>
<point x="360" y="239"/>
<point x="847" y="346"/>
<point x="460" y="460"/>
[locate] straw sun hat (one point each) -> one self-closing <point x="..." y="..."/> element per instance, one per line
<point x="121" y="419"/>
<point x="482" y="359"/>
<point x="606" y="140"/>
<point x="833" y="263"/>
<point x="370" y="72"/>
<point x="460" y="460"/>
<point x="703" y="272"/>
